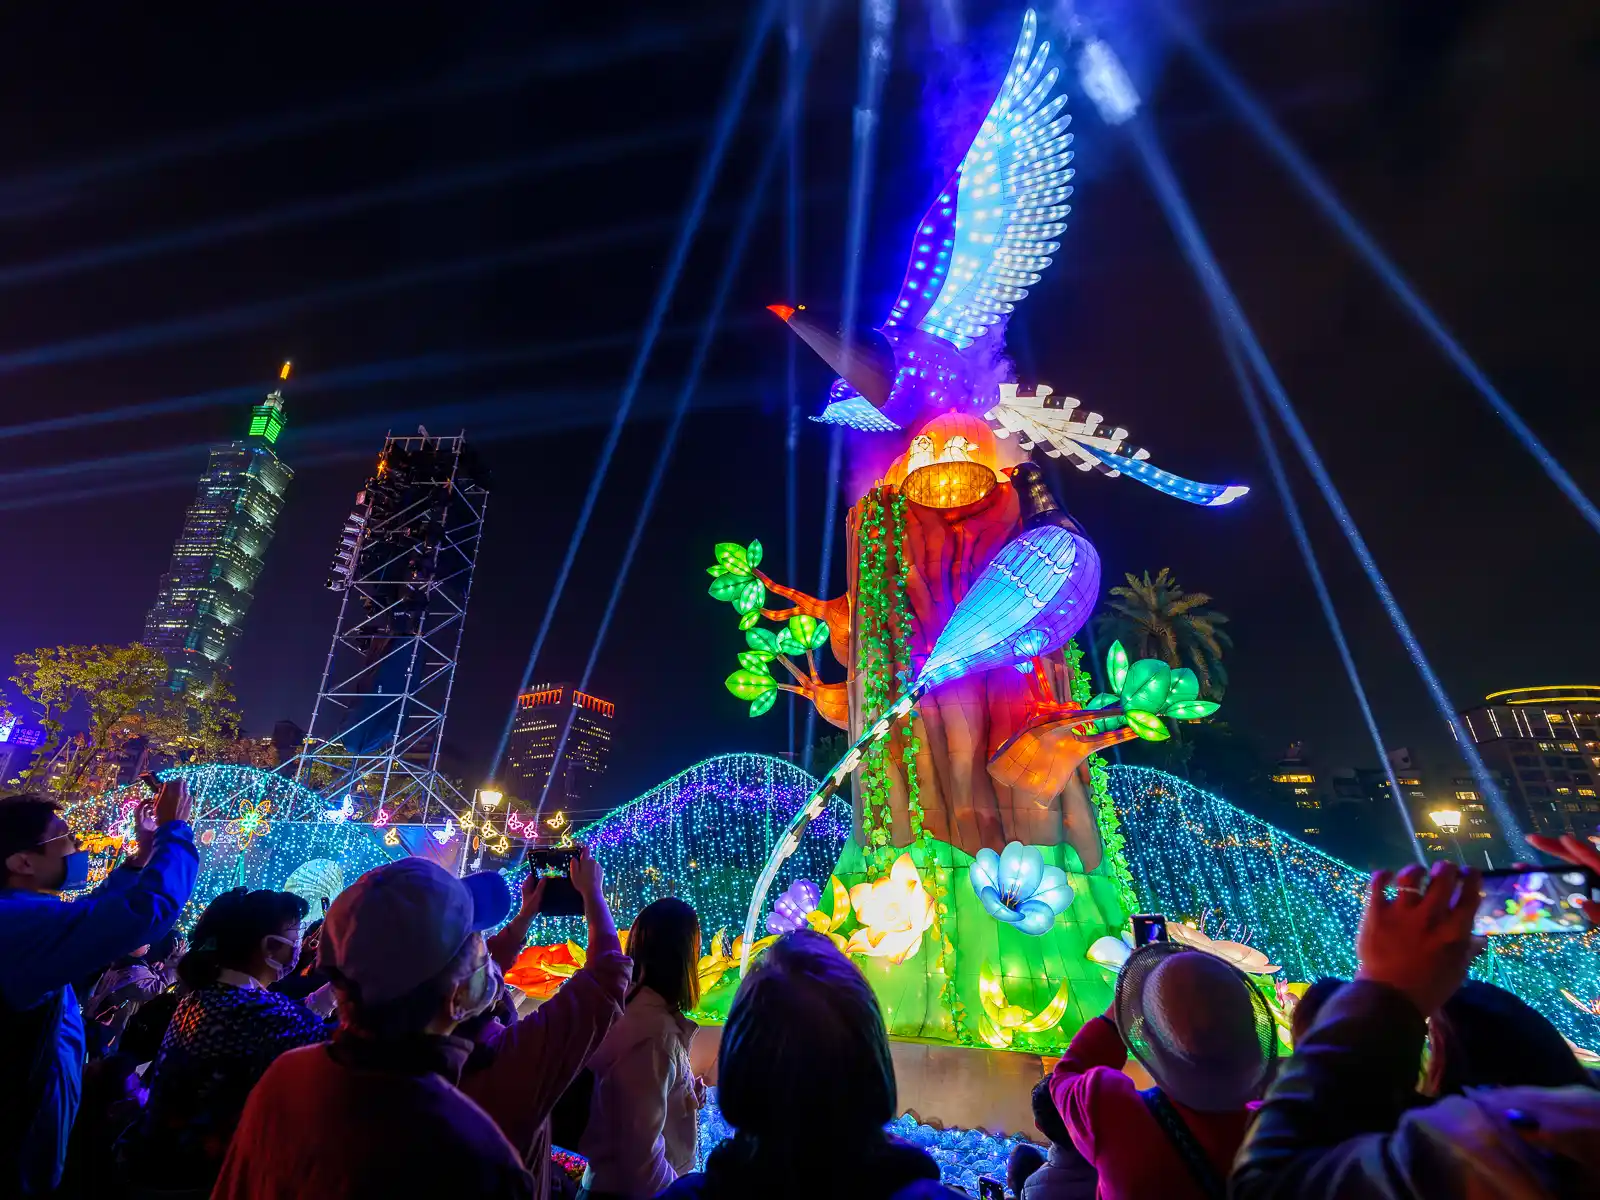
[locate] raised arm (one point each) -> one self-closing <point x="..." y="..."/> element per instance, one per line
<point x="59" y="943"/>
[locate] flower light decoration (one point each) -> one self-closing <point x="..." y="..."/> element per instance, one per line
<point x="252" y="822"/>
<point x="1001" y="1021"/>
<point x="894" y="913"/>
<point x="1247" y="958"/>
<point x="1017" y="888"/>
<point x="798" y="908"/>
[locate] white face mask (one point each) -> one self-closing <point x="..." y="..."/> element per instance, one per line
<point x="278" y="964"/>
<point x="481" y="996"/>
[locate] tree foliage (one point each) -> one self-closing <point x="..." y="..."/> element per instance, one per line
<point x="1156" y="618"/>
<point x="121" y="694"/>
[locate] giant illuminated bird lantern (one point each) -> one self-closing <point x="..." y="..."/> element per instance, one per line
<point x="970" y="719"/>
<point x="978" y="249"/>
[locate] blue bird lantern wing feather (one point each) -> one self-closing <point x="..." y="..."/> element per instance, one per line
<point x="992" y="230"/>
<point x="1031" y="598"/>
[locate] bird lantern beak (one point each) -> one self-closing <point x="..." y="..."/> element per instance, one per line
<point x="783" y="311"/>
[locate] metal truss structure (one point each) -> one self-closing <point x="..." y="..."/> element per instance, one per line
<point x="404" y="566"/>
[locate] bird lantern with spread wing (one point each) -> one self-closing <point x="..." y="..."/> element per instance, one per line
<point x="971" y="726"/>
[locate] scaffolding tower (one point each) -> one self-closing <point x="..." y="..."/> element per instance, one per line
<point x="404" y="567"/>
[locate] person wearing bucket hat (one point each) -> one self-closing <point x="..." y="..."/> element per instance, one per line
<point x="405" y="949"/>
<point x="1204" y="1033"/>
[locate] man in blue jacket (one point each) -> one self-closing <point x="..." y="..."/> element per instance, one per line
<point x="46" y="942"/>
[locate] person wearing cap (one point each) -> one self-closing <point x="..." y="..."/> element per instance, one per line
<point x="519" y="1071"/>
<point x="1204" y="1033"/>
<point x="377" y="1111"/>
<point x="47" y="942"/>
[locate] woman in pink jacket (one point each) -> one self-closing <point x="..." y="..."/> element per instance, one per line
<point x="642" y="1120"/>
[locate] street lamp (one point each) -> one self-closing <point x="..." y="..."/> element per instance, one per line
<point x="490" y="798"/>
<point x="1449" y="821"/>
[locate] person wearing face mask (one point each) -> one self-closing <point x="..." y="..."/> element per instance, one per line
<point x="377" y="1111"/>
<point x="46" y="943"/>
<point x="223" y="1035"/>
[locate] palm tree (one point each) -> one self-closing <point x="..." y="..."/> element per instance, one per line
<point x="1155" y="618"/>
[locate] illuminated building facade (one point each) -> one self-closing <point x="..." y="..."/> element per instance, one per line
<point x="1545" y="743"/>
<point x="200" y="609"/>
<point x="1300" y="807"/>
<point x="542" y="711"/>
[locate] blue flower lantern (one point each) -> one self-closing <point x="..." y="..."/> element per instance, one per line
<point x="1016" y="887"/>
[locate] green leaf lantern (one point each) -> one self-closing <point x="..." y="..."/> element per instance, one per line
<point x="762" y="639"/>
<point x="1146" y="684"/>
<point x="755" y="660"/>
<point x="726" y="586"/>
<point x="751" y="596"/>
<point x="733" y="558"/>
<point x="750" y="685"/>
<point x="1185" y="685"/>
<point x="1147" y="725"/>
<point x="752" y="553"/>
<point x="763" y="702"/>
<point x="1191" y="710"/>
<point x="1116" y="666"/>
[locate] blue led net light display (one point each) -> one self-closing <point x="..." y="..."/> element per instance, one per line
<point x="1193" y="855"/>
<point x="703" y="836"/>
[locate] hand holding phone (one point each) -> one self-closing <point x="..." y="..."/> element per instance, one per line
<point x="1524" y="899"/>
<point x="554" y="867"/>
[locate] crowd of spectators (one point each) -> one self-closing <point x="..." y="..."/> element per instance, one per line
<point x="376" y="1051"/>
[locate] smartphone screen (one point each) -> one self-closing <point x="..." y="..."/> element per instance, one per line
<point x="1534" y="901"/>
<point x="990" y="1188"/>
<point x="561" y="899"/>
<point x="1147" y="928"/>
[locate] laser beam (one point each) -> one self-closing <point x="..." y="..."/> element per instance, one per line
<point x="1198" y="252"/>
<point x="410" y="191"/>
<point x="1328" y="203"/>
<point x="54" y="187"/>
<point x="691" y="383"/>
<point x="710" y="167"/>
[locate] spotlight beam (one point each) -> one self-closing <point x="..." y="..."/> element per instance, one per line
<point x="877" y="44"/>
<point x="794" y="85"/>
<point x="691" y="383"/>
<point x="1327" y="202"/>
<point x="710" y="167"/>
<point x="1207" y="270"/>
<point x="495" y="416"/>
<point x="1280" y="479"/>
<point x="55" y="187"/>
<point x="398" y="370"/>
<point x="330" y="208"/>
<point x="248" y="316"/>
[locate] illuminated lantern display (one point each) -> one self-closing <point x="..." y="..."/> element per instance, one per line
<point x="985" y="854"/>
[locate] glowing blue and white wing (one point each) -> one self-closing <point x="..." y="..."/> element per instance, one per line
<point x="992" y="230"/>
<point x="1052" y="423"/>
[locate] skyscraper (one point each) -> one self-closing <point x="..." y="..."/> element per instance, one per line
<point x="200" y="608"/>
<point x="541" y="713"/>
<point x="1544" y="744"/>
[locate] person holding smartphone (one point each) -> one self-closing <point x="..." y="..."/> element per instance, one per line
<point x="47" y="942"/>
<point x="520" y="1070"/>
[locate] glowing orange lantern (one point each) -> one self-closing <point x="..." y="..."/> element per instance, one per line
<point x="950" y="463"/>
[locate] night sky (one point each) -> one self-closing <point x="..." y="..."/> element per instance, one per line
<point x="492" y="190"/>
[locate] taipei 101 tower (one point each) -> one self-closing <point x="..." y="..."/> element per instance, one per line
<point x="205" y="593"/>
